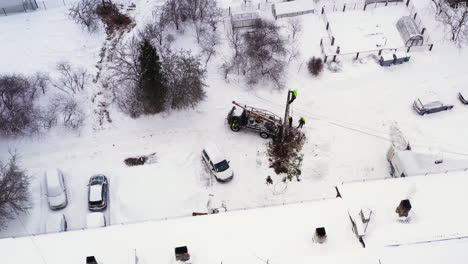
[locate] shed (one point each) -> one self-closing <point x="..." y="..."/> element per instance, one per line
<point x="293" y="8"/>
<point x="244" y="20"/>
<point x="14" y="6"/>
<point x="409" y="32"/>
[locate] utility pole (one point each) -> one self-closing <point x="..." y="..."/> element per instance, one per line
<point x="286" y="115"/>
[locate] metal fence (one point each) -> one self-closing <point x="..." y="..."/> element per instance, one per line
<point x="25" y="7"/>
<point x="328" y="50"/>
<point x="364" y="6"/>
<point x="32" y="5"/>
<point x="333" y="56"/>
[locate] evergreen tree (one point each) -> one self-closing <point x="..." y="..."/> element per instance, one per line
<point x="151" y="86"/>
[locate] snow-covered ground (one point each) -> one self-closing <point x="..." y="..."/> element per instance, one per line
<point x="349" y="114"/>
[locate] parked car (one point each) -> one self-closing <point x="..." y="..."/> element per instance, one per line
<point x="463" y="96"/>
<point x="55" y="187"/>
<point x="429" y="105"/>
<point x="95" y="220"/>
<point x="216" y="163"/>
<point x="97" y="193"/>
<point x="56" y="223"/>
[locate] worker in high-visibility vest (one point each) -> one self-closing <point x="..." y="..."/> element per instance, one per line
<point x="301" y="122"/>
<point x="293" y="96"/>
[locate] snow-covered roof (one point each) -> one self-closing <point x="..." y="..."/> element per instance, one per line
<point x="245" y="236"/>
<point x="421" y="163"/>
<point x="438" y="211"/>
<point x="294" y="7"/>
<point x="245" y="16"/>
<point x="232" y="237"/>
<point x="95" y="193"/>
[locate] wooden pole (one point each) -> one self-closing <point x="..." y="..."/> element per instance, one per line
<point x="286" y="115"/>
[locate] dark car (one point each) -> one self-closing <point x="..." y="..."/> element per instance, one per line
<point x="463" y="96"/>
<point x="429" y="105"/>
<point x="97" y="193"/>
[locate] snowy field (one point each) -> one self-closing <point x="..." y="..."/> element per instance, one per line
<point x="348" y="113"/>
<point x="374" y="29"/>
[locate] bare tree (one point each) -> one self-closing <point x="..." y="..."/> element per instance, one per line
<point x="67" y="108"/>
<point x="40" y="81"/>
<point x="265" y="53"/>
<point x="455" y="19"/>
<point x="155" y="29"/>
<point x="171" y="13"/>
<point x="127" y="98"/>
<point x="294" y="27"/>
<point x="18" y="113"/>
<point x="236" y="62"/>
<point x="185" y="79"/>
<point x="125" y="63"/>
<point x="71" y="79"/>
<point x="209" y="40"/>
<point x="84" y="13"/>
<point x="14" y="190"/>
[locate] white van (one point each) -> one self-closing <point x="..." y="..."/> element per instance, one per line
<point x="55" y="188"/>
<point x="217" y="163"/>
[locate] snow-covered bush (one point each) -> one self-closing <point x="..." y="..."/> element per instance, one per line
<point x="315" y="66"/>
<point x="14" y="190"/>
<point x="334" y="66"/>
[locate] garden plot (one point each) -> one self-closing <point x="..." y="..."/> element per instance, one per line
<point x="367" y="30"/>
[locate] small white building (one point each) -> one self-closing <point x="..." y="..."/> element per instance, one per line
<point x="406" y="163"/>
<point x="293" y="8"/>
<point x="244" y="20"/>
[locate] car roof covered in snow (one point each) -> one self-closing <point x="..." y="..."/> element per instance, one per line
<point x="95" y="219"/>
<point x="428" y="99"/>
<point x="54" y="222"/>
<point x="95" y="193"/>
<point x="53" y="181"/>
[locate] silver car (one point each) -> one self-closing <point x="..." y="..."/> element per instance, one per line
<point x="55" y="187"/>
<point x="429" y="105"/>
